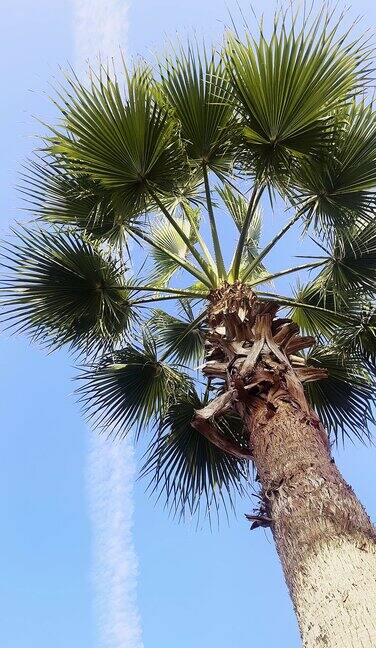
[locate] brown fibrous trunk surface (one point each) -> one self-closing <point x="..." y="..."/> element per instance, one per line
<point x="317" y="522"/>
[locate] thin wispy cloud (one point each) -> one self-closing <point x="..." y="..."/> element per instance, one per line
<point x="100" y="28"/>
<point x="110" y="482"/>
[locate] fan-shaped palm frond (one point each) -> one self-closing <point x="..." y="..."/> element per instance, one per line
<point x="198" y="91"/>
<point x="130" y="387"/>
<point x="189" y="193"/>
<point x="359" y="337"/>
<point x="130" y="145"/>
<point x="183" y="338"/>
<point x="189" y="471"/>
<point x="343" y="401"/>
<point x="58" y="197"/>
<point x="352" y="265"/>
<point x="337" y="186"/>
<point x="61" y="289"/>
<point x="315" y="310"/>
<point x="286" y="87"/>
<point x="168" y="240"/>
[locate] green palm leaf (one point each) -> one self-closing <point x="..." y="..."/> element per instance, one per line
<point x="316" y="310"/>
<point x="62" y="290"/>
<point x="169" y="242"/>
<point x="198" y="91"/>
<point x="58" y="197"/>
<point x="188" y="470"/>
<point x="130" y="387"/>
<point x="359" y="337"/>
<point x="337" y="186"/>
<point x="183" y="336"/>
<point x="286" y="87"/>
<point x="130" y="145"/>
<point x="344" y="400"/>
<point x="353" y="260"/>
<point x="189" y="193"/>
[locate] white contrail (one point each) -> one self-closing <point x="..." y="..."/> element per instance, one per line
<point x="99" y="31"/>
<point x="110" y="482"/>
<point x="99" y="28"/>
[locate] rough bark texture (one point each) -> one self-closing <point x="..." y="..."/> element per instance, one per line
<point x="325" y="540"/>
<point x="323" y="536"/>
<point x="336" y="601"/>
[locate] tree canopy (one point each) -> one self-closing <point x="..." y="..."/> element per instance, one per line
<point x="134" y="194"/>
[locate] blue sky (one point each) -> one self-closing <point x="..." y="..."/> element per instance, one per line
<point x="195" y="588"/>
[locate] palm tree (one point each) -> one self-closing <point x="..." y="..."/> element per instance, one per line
<point x="138" y="192"/>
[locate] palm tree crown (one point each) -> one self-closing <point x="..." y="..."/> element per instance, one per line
<point x="128" y="195"/>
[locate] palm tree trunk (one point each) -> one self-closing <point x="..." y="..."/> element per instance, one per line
<point x="323" y="536"/>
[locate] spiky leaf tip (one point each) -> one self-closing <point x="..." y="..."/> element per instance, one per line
<point x="345" y="399"/>
<point x="125" y="141"/>
<point x="60" y="289"/>
<point x="190" y="473"/>
<point x="129" y="388"/>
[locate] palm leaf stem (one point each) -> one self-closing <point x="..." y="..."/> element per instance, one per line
<point x="213" y="227"/>
<point x="174" y="291"/>
<point x="271" y="244"/>
<point x="287" y="301"/>
<point x="281" y="273"/>
<point x="255" y="199"/>
<point x="157" y="298"/>
<point x="200" y="239"/>
<point x="204" y="265"/>
<point x="195" y="272"/>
